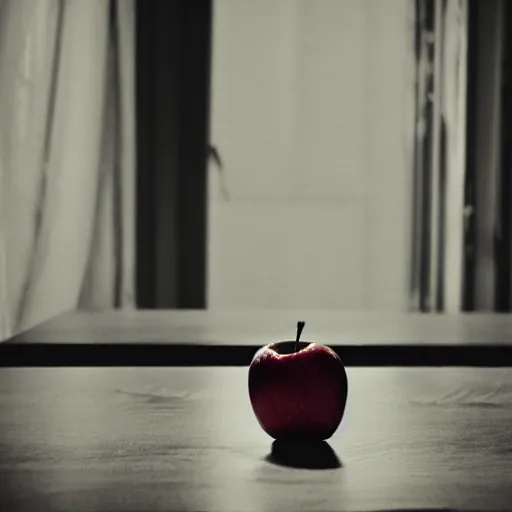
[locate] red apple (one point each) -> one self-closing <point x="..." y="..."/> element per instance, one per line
<point x="298" y="390"/>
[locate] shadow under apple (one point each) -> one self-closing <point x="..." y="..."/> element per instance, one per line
<point x="303" y="455"/>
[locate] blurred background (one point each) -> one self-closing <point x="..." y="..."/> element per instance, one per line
<point x="254" y="154"/>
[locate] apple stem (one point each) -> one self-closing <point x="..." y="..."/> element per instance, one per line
<point x="300" y="326"/>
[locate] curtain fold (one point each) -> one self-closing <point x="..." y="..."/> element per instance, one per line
<point x="66" y="158"/>
<point x="440" y="149"/>
<point x="462" y="244"/>
<point x="488" y="175"/>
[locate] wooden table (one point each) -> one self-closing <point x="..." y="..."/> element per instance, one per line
<point x="185" y="438"/>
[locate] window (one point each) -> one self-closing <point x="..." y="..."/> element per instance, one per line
<point x="461" y="231"/>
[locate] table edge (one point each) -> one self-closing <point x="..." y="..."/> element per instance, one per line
<point x="176" y="354"/>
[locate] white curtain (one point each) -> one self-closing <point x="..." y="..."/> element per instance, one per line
<point x="67" y="158"/>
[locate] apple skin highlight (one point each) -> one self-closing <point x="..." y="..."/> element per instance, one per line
<point x="298" y="395"/>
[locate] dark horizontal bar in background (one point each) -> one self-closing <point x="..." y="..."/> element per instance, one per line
<point x="119" y="355"/>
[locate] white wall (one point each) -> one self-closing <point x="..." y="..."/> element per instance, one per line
<point x="312" y="115"/>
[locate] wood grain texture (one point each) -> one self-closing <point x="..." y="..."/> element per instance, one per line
<point x="231" y="338"/>
<point x="152" y="439"/>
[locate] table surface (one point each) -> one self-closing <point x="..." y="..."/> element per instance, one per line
<point x="135" y="338"/>
<point x="151" y="439"/>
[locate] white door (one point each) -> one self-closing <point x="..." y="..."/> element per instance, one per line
<point x="312" y="110"/>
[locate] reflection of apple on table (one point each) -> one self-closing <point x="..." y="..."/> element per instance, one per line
<point x="298" y="390"/>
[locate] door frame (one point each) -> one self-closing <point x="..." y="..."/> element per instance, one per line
<point x="173" y="53"/>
